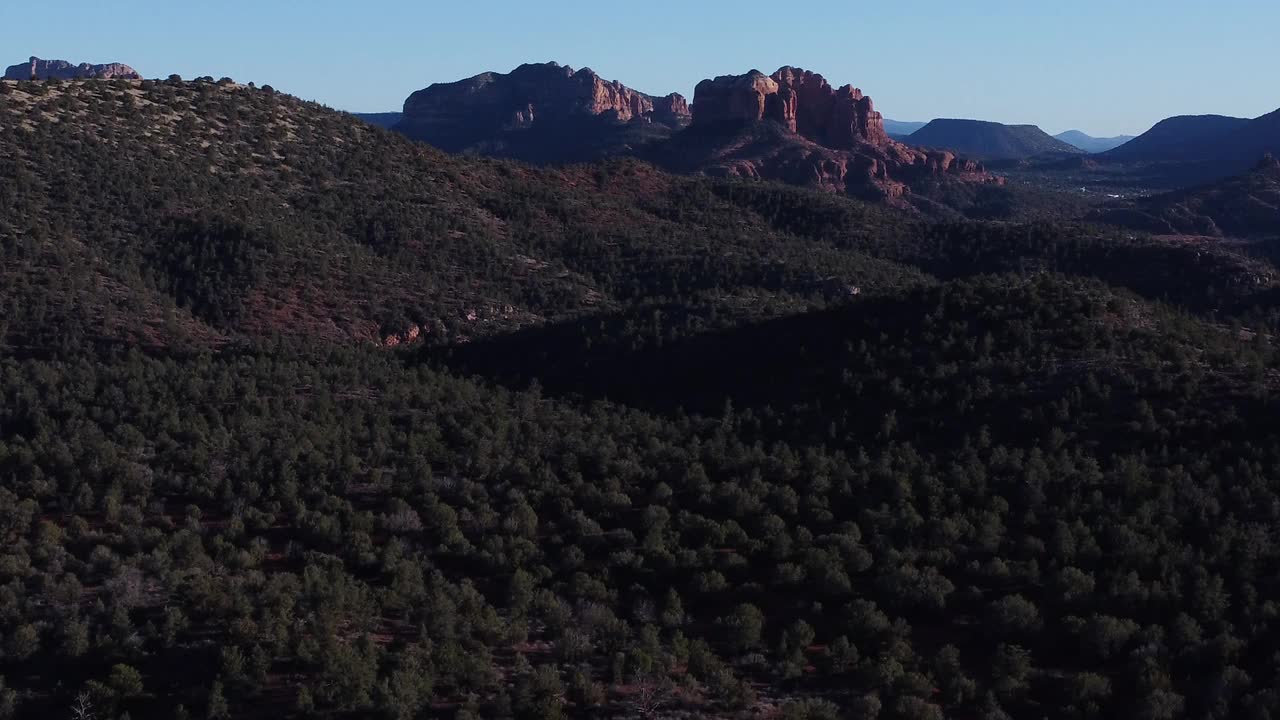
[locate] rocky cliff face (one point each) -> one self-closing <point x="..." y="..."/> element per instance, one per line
<point x="793" y="126"/>
<point x="802" y="101"/>
<point x="37" y="69"/>
<point x="487" y="113"/>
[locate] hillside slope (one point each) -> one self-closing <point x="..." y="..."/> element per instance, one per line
<point x="1204" y="148"/>
<point x="219" y="211"/>
<point x="162" y="213"/>
<point x="670" y="446"/>
<point x="1246" y="206"/>
<point x="1244" y="145"/>
<point x="1182" y="138"/>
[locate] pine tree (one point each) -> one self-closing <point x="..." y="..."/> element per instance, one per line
<point x="218" y="708"/>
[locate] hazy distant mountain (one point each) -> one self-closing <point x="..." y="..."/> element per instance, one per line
<point x="383" y="120"/>
<point x="900" y="129"/>
<point x="1185" y="137"/>
<point x="1260" y="136"/>
<point x="1201" y="148"/>
<point x="989" y="140"/>
<point x="1091" y="144"/>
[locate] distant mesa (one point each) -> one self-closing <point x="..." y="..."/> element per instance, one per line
<point x="990" y="140"/>
<point x="37" y="69"/>
<point x="383" y="120"/>
<point x="801" y="101"/>
<point x="540" y="113"/>
<point x="1091" y="144"/>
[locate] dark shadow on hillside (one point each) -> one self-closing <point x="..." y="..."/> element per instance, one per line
<point x="931" y="367"/>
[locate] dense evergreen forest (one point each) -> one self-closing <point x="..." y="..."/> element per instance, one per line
<point x="301" y="419"/>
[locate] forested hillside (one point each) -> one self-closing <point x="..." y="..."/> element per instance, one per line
<point x="204" y="211"/>
<point x="1246" y="206"/>
<point x="660" y="446"/>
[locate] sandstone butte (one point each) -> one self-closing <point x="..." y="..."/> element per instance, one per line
<point x="841" y="141"/>
<point x="534" y="92"/>
<point x="37" y="69"/>
<point x="802" y="101"/>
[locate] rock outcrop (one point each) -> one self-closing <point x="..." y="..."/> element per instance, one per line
<point x="794" y="127"/>
<point x="802" y="101"/>
<point x="37" y="69"/>
<point x="541" y="113"/>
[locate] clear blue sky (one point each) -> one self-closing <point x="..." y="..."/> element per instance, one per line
<point x="1106" y="67"/>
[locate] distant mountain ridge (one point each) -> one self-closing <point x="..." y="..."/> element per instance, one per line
<point x="989" y="140"/>
<point x="1261" y="136"/>
<point x="1194" y="149"/>
<point x="1091" y="144"/>
<point x="37" y="69"/>
<point x="386" y="120"/>
<point x="900" y="129"/>
<point x="1177" y="138"/>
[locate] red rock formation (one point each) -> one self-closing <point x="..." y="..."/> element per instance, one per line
<point x="602" y="96"/>
<point x="802" y="101"/>
<point x="672" y="110"/>
<point x="37" y="69"/>
<point x="489" y="113"/>
<point x="735" y="99"/>
<point x="795" y="127"/>
<point x="531" y="92"/>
